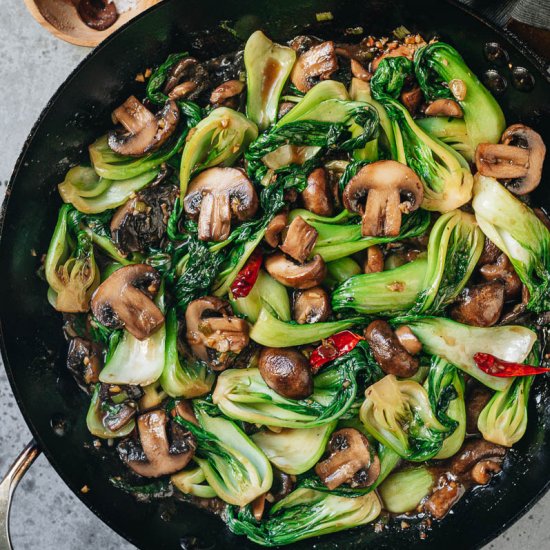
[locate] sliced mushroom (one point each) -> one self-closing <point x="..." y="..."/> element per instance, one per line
<point x="145" y="132"/>
<point x="141" y="222"/>
<point x="213" y="333"/>
<point x="97" y="14"/>
<point x="518" y="159"/>
<point x="184" y="409"/>
<point x="480" y="305"/>
<point x="351" y="461"/>
<point x="317" y="63"/>
<point x="317" y="197"/>
<point x="412" y="99"/>
<point x="294" y="275"/>
<point x="472" y="452"/>
<point x="217" y="196"/>
<point x="483" y="471"/>
<point x="125" y="300"/>
<point x="186" y="79"/>
<point x="447" y="493"/>
<point x="503" y="270"/>
<point x="311" y="306"/>
<point x="381" y="185"/>
<point x="163" y="447"/>
<point x="283" y="484"/>
<point x="358" y="71"/>
<point x="299" y="240"/>
<point x="275" y="228"/>
<point x="490" y="253"/>
<point x="226" y="92"/>
<point x="408" y="340"/>
<point x="444" y="107"/>
<point x="388" y="351"/>
<point x="458" y="89"/>
<point x="502" y="161"/>
<point x="374" y="262"/>
<point x="286" y="371"/>
<point x="84" y="360"/>
<point x="116" y="414"/>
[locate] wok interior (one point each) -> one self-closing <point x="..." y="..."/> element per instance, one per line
<point x="34" y="350"/>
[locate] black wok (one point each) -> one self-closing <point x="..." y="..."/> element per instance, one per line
<point x="32" y="344"/>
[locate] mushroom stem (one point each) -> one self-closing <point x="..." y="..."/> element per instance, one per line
<point x="382" y="214"/>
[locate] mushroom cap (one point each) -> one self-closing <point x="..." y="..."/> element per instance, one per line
<point x="287" y="372"/>
<point x="159" y="456"/>
<point x="525" y="137"/>
<point x="291" y="274"/>
<point x="381" y="185"/>
<point x="311" y="305"/>
<point x="215" y="197"/>
<point x="145" y="132"/>
<point x="124" y="300"/>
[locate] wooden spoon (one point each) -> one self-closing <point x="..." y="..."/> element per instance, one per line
<point x="60" y="17"/>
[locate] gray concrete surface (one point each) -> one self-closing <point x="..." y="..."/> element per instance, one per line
<point x="46" y="514"/>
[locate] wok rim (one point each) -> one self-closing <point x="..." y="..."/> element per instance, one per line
<point x="513" y="40"/>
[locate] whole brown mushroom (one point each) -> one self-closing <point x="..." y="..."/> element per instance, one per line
<point x="479" y="305"/>
<point x="317" y="197"/>
<point x="503" y="270"/>
<point x="388" y="351"/>
<point x="286" y="371"/>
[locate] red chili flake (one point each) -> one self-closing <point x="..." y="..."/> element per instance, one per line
<point x="497" y="367"/>
<point x="337" y="345"/>
<point x="247" y="276"/>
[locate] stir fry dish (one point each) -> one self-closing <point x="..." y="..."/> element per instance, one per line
<point x="304" y="285"/>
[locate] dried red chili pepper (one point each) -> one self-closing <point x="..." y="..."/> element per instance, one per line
<point x="337" y="345"/>
<point x="247" y="276"/>
<point x="497" y="367"/>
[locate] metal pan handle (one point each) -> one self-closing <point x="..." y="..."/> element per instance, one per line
<point x="7" y="487"/>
